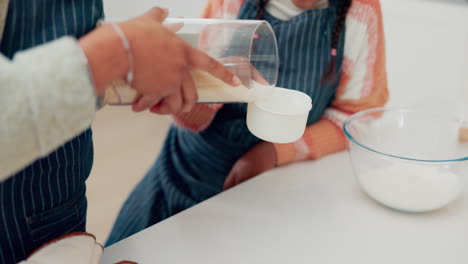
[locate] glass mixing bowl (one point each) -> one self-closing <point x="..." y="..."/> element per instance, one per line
<point x="409" y="160"/>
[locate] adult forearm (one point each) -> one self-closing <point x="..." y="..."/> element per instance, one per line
<point x="46" y="98"/>
<point x="107" y="58"/>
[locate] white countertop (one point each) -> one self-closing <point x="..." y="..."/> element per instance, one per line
<point x="311" y="212"/>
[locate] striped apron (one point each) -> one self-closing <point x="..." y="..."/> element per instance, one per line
<point x="46" y="199"/>
<point x="193" y="166"/>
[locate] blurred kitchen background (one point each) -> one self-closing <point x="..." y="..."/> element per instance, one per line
<point x="427" y="62"/>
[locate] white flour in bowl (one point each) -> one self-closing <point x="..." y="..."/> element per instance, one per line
<point x="411" y="188"/>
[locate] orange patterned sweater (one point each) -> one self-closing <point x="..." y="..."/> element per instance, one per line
<point x="363" y="82"/>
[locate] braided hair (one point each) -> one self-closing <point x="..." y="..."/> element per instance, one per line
<point x="261" y="5"/>
<point x="338" y="27"/>
<point x="341" y="11"/>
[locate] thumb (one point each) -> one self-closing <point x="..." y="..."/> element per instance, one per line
<point x="158" y="14"/>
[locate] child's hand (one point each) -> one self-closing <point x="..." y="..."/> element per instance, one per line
<point x="258" y="160"/>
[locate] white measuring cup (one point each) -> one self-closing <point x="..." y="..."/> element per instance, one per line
<point x="280" y="117"/>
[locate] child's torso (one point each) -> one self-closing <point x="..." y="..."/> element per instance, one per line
<point x="286" y="9"/>
<point x="304" y="44"/>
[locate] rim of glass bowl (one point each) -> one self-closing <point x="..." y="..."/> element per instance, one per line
<point x="384" y="109"/>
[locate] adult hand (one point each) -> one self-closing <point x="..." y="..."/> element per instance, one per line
<point x="73" y="248"/>
<point x="243" y="67"/>
<point x="258" y="160"/>
<point x="161" y="62"/>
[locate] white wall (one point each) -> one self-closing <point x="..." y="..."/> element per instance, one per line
<point x="126" y="8"/>
<point x="427" y="44"/>
<point x="427" y="50"/>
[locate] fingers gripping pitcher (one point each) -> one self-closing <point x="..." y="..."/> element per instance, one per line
<point x="249" y="49"/>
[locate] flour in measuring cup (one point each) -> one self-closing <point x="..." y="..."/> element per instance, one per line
<point x="285" y="102"/>
<point x="210" y="90"/>
<point x="411" y="188"/>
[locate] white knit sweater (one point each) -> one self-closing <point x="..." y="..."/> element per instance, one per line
<point x="46" y="98"/>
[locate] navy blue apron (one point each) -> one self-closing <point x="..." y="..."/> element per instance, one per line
<point x="46" y="199"/>
<point x="193" y="166"/>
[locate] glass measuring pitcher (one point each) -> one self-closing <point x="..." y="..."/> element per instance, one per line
<point x="247" y="47"/>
